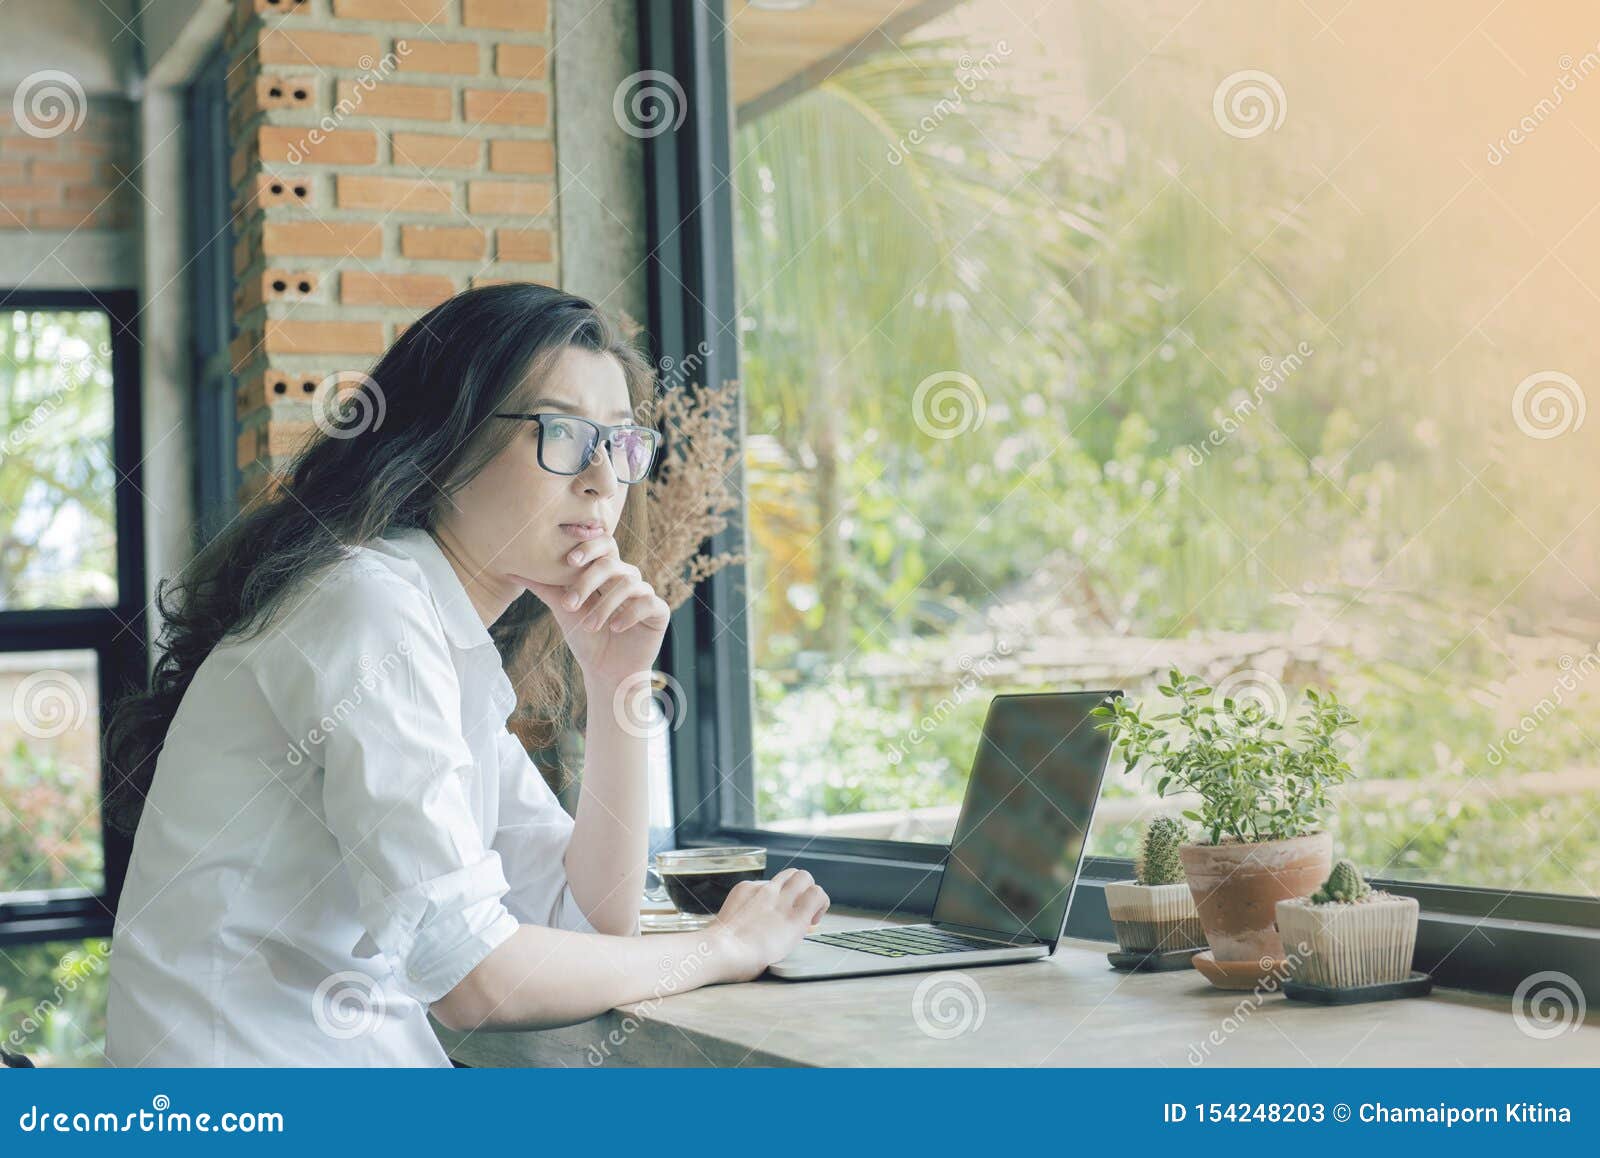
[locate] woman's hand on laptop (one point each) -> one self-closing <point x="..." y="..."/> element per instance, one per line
<point x="762" y="921"/>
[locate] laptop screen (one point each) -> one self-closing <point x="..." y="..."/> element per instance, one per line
<point x="1017" y="846"/>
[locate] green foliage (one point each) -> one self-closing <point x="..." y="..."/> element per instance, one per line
<point x="53" y="1000"/>
<point x="1159" y="863"/>
<point x="1255" y="784"/>
<point x="1344" y="884"/>
<point x="49" y="835"/>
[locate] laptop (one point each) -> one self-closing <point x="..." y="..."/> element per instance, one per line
<point x="1013" y="861"/>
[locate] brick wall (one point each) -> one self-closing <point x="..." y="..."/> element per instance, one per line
<point x="60" y="173"/>
<point x="386" y="154"/>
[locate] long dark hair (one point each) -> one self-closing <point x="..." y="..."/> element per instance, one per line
<point x="420" y="435"/>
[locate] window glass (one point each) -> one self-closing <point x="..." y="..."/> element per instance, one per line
<point x="50" y="772"/>
<point x="58" y="544"/>
<point x="1081" y="341"/>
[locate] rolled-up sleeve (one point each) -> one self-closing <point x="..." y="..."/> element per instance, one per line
<point x="532" y="839"/>
<point x="361" y="677"/>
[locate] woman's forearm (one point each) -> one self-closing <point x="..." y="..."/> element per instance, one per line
<point x="540" y="978"/>
<point x="605" y="860"/>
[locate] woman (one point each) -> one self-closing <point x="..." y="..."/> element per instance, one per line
<point x="335" y="831"/>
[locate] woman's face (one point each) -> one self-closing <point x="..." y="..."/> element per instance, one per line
<point x="519" y="521"/>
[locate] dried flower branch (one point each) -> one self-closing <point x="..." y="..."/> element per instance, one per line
<point x="691" y="494"/>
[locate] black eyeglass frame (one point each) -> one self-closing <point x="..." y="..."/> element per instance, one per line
<point x="603" y="435"/>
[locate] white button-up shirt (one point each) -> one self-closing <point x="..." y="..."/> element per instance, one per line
<point x="340" y="828"/>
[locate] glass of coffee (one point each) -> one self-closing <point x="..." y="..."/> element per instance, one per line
<point x="699" y="879"/>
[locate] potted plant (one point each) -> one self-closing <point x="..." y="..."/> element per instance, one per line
<point x="1262" y="798"/>
<point x="1155" y="913"/>
<point x="1348" y="934"/>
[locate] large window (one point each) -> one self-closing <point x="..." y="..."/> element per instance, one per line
<point x="1082" y="341"/>
<point x="72" y="634"/>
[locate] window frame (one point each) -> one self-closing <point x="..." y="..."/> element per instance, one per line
<point x="1469" y="937"/>
<point x="213" y="402"/>
<point x="117" y="635"/>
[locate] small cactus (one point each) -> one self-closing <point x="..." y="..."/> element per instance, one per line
<point x="1158" y="862"/>
<point x="1344" y="883"/>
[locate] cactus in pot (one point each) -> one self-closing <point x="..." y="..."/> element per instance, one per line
<point x="1348" y="934"/>
<point x="1156" y="911"/>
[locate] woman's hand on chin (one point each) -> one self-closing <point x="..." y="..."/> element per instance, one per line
<point x="611" y="618"/>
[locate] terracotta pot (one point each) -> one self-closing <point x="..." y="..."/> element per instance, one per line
<point x="1237" y="888"/>
<point x="1341" y="945"/>
<point x="1147" y="918"/>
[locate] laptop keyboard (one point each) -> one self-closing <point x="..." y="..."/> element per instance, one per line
<point x="905" y="941"/>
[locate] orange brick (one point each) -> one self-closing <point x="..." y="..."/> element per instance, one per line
<point x="443" y="242"/>
<point x="54" y="217"/>
<point x="289" y="336"/>
<point x="424" y="290"/>
<point x="269" y="190"/>
<point x="29" y="147"/>
<point x="522" y="156"/>
<point x="407" y="11"/>
<point x="322" y="239"/>
<point x="521" y="61"/>
<point x="520" y="197"/>
<point x="435" y="151"/>
<point x="522" y="15"/>
<point x="274" y="440"/>
<point x="357" y="191"/>
<point x="30" y="194"/>
<point x="274" y="285"/>
<point x="278" y="45"/>
<point x="272" y="386"/>
<point x="483" y="281"/>
<point x="414" y="102"/>
<point x="419" y="54"/>
<point x="506" y="107"/>
<point x="523" y="245"/>
<point x="64" y="170"/>
<point x="310" y="145"/>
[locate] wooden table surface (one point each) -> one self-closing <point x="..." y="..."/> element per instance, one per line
<point x="1071" y="1009"/>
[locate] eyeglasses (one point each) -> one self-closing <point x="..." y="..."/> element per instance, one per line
<point x="567" y="444"/>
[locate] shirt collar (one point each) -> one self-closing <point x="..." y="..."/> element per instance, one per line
<point x="462" y="624"/>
